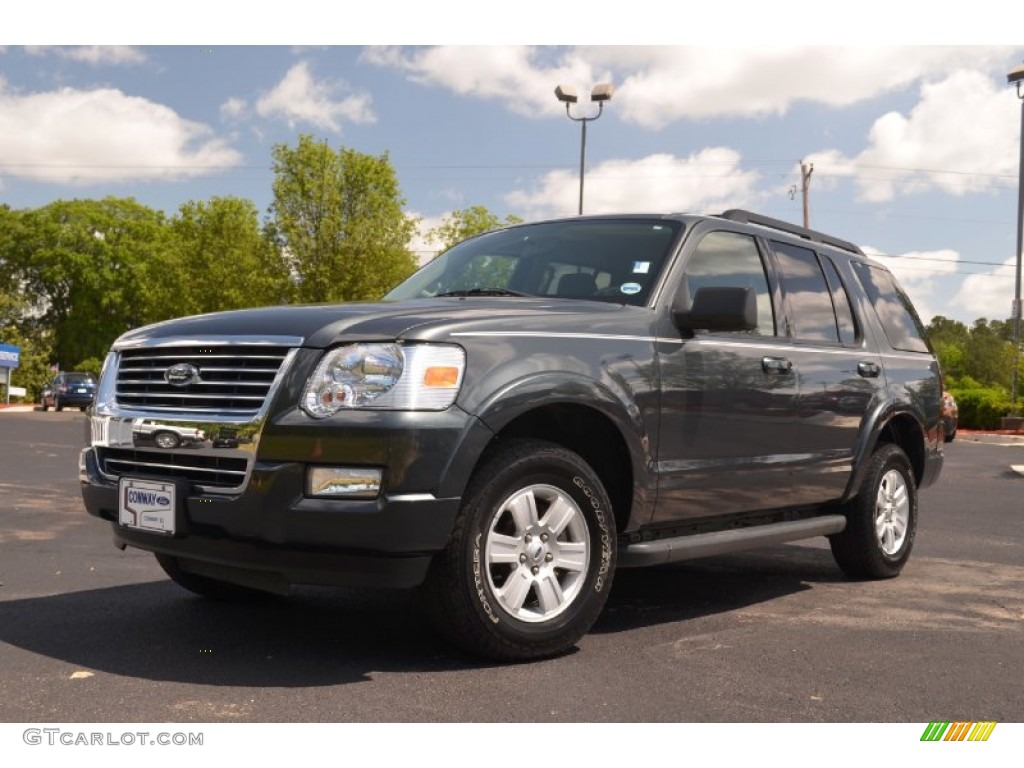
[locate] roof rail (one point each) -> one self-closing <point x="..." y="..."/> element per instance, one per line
<point x="748" y="217"/>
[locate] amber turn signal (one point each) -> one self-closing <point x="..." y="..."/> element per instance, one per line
<point x="444" y="376"/>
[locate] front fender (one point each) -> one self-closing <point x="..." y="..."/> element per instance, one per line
<point x="629" y="417"/>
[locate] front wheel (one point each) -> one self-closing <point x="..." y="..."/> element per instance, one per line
<point x="530" y="561"/>
<point x="881" y="521"/>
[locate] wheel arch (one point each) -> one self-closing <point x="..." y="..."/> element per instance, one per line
<point x="584" y="417"/>
<point x="594" y="437"/>
<point x="899" y="428"/>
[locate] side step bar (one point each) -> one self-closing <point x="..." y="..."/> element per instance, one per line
<point x="721" y="542"/>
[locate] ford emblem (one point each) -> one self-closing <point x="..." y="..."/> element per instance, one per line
<point x="181" y="375"/>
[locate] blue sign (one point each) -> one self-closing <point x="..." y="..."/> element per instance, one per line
<point x="10" y="357"/>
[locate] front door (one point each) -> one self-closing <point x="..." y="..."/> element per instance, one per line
<point x="728" y="401"/>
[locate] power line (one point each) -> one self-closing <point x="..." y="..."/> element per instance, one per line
<point x="822" y="168"/>
<point x="935" y="258"/>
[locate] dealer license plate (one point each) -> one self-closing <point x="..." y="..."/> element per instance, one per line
<point x="147" y="505"/>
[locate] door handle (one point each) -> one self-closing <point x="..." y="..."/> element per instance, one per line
<point x="868" y="370"/>
<point x="779" y="365"/>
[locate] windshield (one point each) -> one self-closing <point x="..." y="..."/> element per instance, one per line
<point x="79" y="378"/>
<point x="613" y="260"/>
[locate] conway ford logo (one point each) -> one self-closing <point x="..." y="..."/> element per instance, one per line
<point x="181" y="375"/>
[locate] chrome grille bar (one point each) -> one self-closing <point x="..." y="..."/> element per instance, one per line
<point x="229" y="378"/>
<point x="205" y="383"/>
<point x="225" y="473"/>
<point x="136" y="465"/>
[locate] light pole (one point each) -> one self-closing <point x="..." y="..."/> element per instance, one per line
<point x="567" y="94"/>
<point x="1016" y="76"/>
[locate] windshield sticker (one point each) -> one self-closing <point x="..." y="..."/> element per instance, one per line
<point x="630" y="288"/>
<point x="641" y="267"/>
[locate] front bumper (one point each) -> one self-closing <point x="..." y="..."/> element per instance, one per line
<point x="271" y="527"/>
<point x="260" y="521"/>
<point x="74" y="399"/>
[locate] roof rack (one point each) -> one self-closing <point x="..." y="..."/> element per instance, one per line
<point x="748" y="217"/>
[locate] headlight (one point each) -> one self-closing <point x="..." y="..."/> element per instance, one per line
<point x="387" y="376"/>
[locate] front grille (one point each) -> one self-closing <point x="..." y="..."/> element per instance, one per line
<point x="233" y="379"/>
<point x="211" y="471"/>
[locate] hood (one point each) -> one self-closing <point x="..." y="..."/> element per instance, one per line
<point x="321" y="325"/>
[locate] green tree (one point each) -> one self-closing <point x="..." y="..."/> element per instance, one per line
<point x="89" y="270"/>
<point x="224" y="259"/>
<point x="466" y="223"/>
<point x="949" y="339"/>
<point x="988" y="356"/>
<point x="337" y="215"/>
<point x="17" y="329"/>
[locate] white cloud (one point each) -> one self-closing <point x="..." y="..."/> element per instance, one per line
<point x="921" y="274"/>
<point x="233" y="109"/>
<point x="989" y="295"/>
<point x="82" y="137"/>
<point x="298" y="98"/>
<point x="964" y="125"/>
<point x="510" y="74"/>
<point x="709" y="180"/>
<point x="657" y="85"/>
<point x="95" y="55"/>
<point x="702" y="82"/>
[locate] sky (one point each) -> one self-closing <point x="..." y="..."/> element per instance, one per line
<point x="915" y="148"/>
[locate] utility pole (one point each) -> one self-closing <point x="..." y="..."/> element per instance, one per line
<point x="1017" y="77"/>
<point x="806" y="169"/>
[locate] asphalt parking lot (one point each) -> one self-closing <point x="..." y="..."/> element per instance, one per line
<point x="92" y="634"/>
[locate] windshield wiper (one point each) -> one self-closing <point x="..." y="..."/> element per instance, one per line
<point x="482" y="292"/>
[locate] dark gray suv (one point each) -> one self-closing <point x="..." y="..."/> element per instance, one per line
<point x="530" y="411"/>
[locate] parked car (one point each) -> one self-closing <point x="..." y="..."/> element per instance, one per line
<point x="530" y="411"/>
<point x="166" y="435"/>
<point x="69" y="389"/>
<point x="949" y="416"/>
<point x="225" y="438"/>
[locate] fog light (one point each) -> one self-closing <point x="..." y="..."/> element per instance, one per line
<point x="347" y="482"/>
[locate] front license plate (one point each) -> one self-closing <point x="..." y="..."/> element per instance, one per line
<point x="147" y="505"/>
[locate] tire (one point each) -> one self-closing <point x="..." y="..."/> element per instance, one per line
<point x="166" y="439"/>
<point x="43" y="405"/>
<point x="881" y="521"/>
<point x="950" y="434"/>
<point x="530" y="561"/>
<point x="57" y="404"/>
<point x="214" y="589"/>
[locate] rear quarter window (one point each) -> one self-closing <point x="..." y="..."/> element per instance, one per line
<point x="900" y="322"/>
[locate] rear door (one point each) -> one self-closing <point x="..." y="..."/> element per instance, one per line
<point x="839" y="376"/>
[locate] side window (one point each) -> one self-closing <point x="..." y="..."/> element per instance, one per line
<point x="732" y="260"/>
<point x="810" y="300"/>
<point x="900" y="322"/>
<point x="841" y="303"/>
